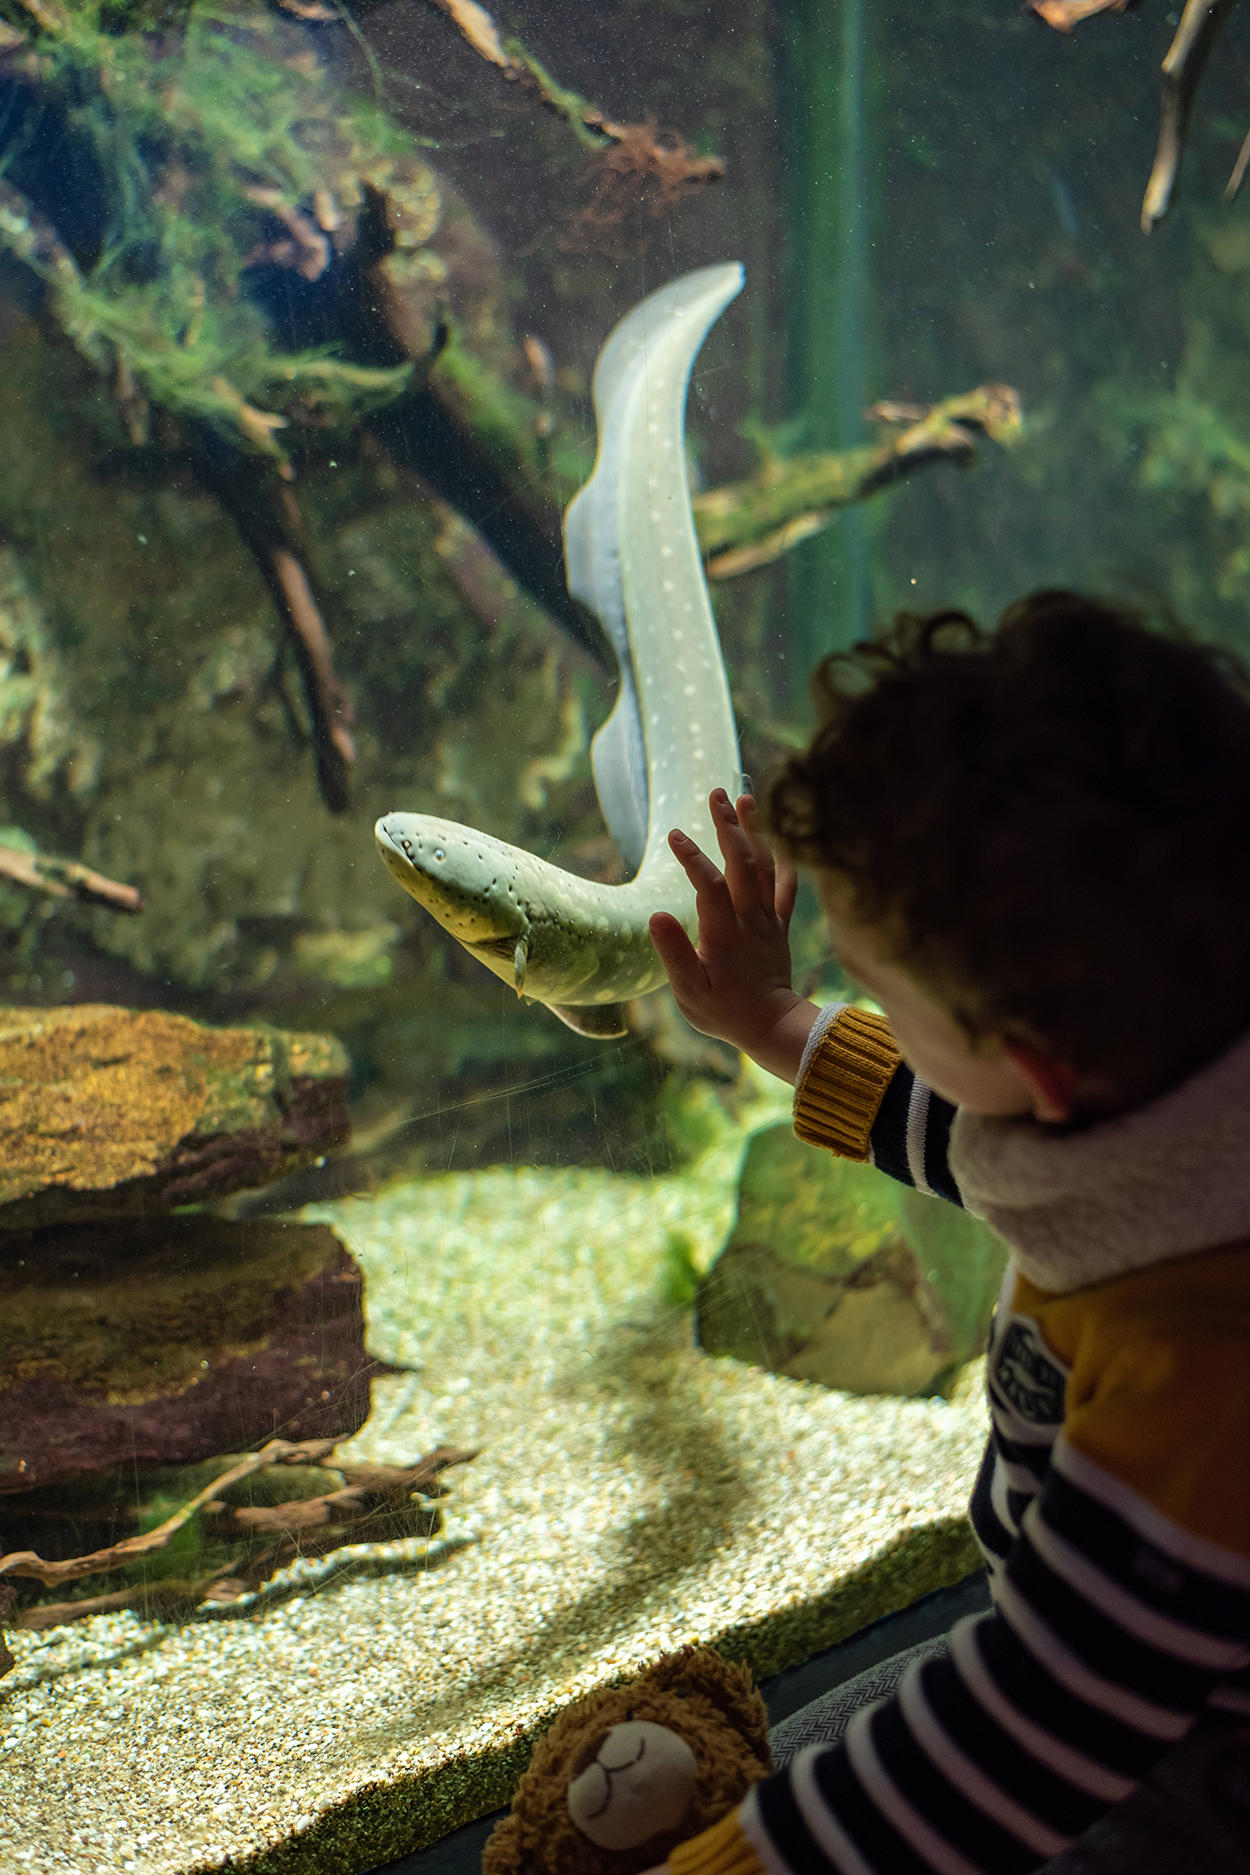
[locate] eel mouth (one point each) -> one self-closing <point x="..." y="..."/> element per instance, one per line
<point x="463" y="905"/>
<point x="408" y="852"/>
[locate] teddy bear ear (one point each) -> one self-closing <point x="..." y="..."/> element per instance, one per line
<point x="700" y="1670"/>
<point x="728" y="1684"/>
<point x="680" y="1672"/>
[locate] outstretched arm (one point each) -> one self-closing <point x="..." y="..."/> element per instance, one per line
<point x="736" y="983"/>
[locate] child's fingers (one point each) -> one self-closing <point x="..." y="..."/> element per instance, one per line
<point x="677" y="954"/>
<point x="786" y="891"/>
<point x="765" y="865"/>
<point x="703" y="873"/>
<point x="738" y="851"/>
<point x="717" y="919"/>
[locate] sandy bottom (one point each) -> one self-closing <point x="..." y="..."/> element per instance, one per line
<point x="631" y="1494"/>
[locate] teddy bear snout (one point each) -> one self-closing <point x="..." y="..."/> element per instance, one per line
<point x="639" y="1782"/>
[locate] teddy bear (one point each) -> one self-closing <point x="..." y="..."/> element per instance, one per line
<point x="624" y="1776"/>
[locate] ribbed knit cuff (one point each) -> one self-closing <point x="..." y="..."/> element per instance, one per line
<point x="819" y="1029"/>
<point x="843" y="1083"/>
<point x="721" y="1850"/>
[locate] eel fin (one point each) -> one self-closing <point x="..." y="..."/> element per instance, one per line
<point x="598" y="518"/>
<point x="592" y="558"/>
<point x="618" y="762"/>
<point x="520" y="957"/>
<point x="603" y="1022"/>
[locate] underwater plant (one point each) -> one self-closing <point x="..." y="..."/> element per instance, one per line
<point x="217" y="157"/>
<point x="680" y="1272"/>
<point x="206" y="142"/>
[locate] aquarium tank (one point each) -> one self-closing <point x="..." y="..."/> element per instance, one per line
<point x="439" y="442"/>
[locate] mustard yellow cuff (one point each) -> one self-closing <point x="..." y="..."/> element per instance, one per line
<point x="721" y="1850"/>
<point x="840" y="1095"/>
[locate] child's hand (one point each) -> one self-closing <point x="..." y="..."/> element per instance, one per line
<point x="736" y="985"/>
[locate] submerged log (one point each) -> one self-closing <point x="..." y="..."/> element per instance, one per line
<point x="1197" y="30"/>
<point x="237" y="1546"/>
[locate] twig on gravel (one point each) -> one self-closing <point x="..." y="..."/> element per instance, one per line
<point x="381" y="1496"/>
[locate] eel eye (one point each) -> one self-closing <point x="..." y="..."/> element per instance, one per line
<point x="439" y="853"/>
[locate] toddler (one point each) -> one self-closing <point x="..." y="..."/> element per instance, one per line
<point x="1033" y="850"/>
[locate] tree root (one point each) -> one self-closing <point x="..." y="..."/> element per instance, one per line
<point x="269" y="522"/>
<point x="1201" y="23"/>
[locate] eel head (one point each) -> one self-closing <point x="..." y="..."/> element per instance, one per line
<point x="463" y="878"/>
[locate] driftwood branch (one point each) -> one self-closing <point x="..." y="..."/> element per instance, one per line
<point x="66" y="878"/>
<point x="1201" y="24"/>
<point x="48" y="14"/>
<point x="305" y="250"/>
<point x="367" y="1484"/>
<point x="478" y="29"/>
<point x="24" y="1562"/>
<point x="746" y="525"/>
<point x="1239" y="170"/>
<point x="32" y="237"/>
<point x="379" y="1497"/>
<point x="7" y="1661"/>
<point x="269" y="522"/>
<point x="158" y="1600"/>
<point x="664" y="162"/>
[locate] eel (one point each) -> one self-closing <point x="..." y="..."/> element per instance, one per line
<point x="632" y="555"/>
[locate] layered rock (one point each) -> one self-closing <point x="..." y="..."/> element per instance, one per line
<point x="110" y="1112"/>
<point x="156" y="1342"/>
<point x="129" y="1335"/>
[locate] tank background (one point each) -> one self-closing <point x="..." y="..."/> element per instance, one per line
<point x="140" y="729"/>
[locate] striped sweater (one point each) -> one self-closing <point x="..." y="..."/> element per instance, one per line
<point x="1113" y="1502"/>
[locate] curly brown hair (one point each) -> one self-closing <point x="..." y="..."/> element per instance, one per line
<point x="1050" y="822"/>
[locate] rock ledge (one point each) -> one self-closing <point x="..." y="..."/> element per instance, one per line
<point x="110" y="1112"/>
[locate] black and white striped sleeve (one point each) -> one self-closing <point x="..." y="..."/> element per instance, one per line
<point x="1113" y="1628"/>
<point x="910" y="1137"/>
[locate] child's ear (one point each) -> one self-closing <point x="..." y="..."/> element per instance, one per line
<point x="1051" y="1083"/>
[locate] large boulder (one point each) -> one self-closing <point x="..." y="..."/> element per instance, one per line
<point x="108" y="1112"/>
<point x="157" y="1342"/>
<point x="837" y="1274"/>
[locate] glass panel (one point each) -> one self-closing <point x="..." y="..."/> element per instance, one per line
<point x="385" y="1359"/>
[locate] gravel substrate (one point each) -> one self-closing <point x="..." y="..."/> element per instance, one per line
<point x="631" y="1494"/>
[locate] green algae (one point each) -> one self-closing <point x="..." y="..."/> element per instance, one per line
<point x="200" y="136"/>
